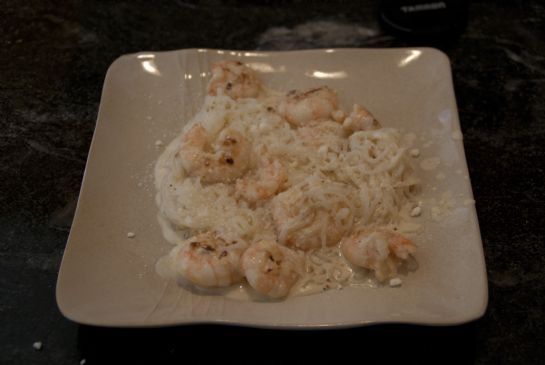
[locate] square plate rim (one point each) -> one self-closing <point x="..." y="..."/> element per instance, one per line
<point x="454" y="320"/>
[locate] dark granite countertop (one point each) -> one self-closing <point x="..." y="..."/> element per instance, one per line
<point x="54" y="59"/>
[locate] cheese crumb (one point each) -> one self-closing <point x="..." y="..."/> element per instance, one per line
<point x="415" y="152"/>
<point x="131" y="235"/>
<point x="416" y="212"/>
<point x="158" y="143"/>
<point x="83" y="362"/>
<point x="37" y="345"/>
<point x="395" y="282"/>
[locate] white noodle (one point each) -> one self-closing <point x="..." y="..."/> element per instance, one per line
<point x="338" y="186"/>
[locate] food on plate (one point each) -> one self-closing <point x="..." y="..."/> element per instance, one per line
<point x="209" y="260"/>
<point x="381" y="251"/>
<point x="281" y="194"/>
<point x="270" y="268"/>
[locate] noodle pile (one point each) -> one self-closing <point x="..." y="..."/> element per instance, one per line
<point x="336" y="183"/>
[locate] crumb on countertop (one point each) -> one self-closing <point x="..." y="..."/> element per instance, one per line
<point x="37" y="345"/>
<point x="131" y="235"/>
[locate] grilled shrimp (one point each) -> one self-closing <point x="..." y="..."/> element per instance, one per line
<point x="304" y="107"/>
<point x="314" y="213"/>
<point x="220" y="160"/>
<point x="234" y="79"/>
<point x="360" y="119"/>
<point x="264" y="183"/>
<point x="316" y="228"/>
<point x="271" y="269"/>
<point x="381" y="251"/>
<point x="208" y="260"/>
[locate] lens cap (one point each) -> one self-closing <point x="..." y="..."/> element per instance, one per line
<point x="423" y="18"/>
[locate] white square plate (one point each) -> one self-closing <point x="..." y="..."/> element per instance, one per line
<point x="109" y="279"/>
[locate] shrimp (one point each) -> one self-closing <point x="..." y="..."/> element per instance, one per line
<point x="381" y="251"/>
<point x="271" y="269"/>
<point x="314" y="213"/>
<point x="268" y="179"/>
<point x="209" y="260"/>
<point x="313" y="105"/>
<point x="306" y="230"/>
<point x="236" y="80"/>
<point x="360" y="120"/>
<point x="214" y="161"/>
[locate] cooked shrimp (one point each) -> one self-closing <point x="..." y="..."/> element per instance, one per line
<point x="313" y="105"/>
<point x="271" y="269"/>
<point x="209" y="260"/>
<point x="312" y="214"/>
<point x="234" y="79"/>
<point x="306" y="229"/>
<point x="360" y="120"/>
<point x="264" y="183"/>
<point x="381" y="251"/>
<point x="221" y="160"/>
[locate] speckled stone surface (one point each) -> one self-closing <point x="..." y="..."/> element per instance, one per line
<point x="54" y="59"/>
